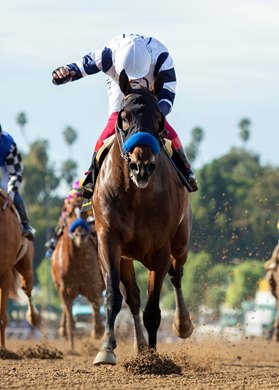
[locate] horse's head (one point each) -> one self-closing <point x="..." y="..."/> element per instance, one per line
<point x="72" y="206"/>
<point x="79" y="232"/>
<point x="139" y="125"/>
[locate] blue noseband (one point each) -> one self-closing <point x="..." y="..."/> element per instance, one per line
<point x="141" y="138"/>
<point x="79" y="222"/>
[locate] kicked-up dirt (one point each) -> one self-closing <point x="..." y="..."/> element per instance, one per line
<point x="187" y="364"/>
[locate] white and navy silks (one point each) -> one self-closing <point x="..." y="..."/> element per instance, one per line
<point x="11" y="165"/>
<point x="103" y="60"/>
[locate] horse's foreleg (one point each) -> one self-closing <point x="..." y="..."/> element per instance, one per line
<point x="152" y="312"/>
<point x="67" y="309"/>
<point x="24" y="267"/>
<point x="182" y="325"/>
<point x="62" y="325"/>
<point x="4" y="295"/>
<point x="110" y="263"/>
<point x="97" y="326"/>
<point x="275" y="335"/>
<point x="133" y="301"/>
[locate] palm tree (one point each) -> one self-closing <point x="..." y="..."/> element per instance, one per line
<point x="21" y="120"/>
<point x="70" y="136"/>
<point x="244" y="133"/>
<point x="192" y="150"/>
<point x="69" y="171"/>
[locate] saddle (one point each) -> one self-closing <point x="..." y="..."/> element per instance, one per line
<point x="9" y="203"/>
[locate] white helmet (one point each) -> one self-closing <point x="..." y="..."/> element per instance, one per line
<point x="134" y="57"/>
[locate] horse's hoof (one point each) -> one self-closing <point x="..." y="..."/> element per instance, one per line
<point x="182" y="331"/>
<point x="105" y="357"/>
<point x="62" y="332"/>
<point x="33" y="318"/>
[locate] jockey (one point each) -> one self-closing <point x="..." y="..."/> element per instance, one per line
<point x="12" y="172"/>
<point x="73" y="198"/>
<point x="142" y="58"/>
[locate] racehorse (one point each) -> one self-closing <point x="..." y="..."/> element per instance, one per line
<point x="142" y="212"/>
<point x="16" y="259"/>
<point x="76" y="271"/>
<point x="273" y="279"/>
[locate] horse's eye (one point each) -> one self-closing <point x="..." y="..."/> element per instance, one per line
<point x="126" y="119"/>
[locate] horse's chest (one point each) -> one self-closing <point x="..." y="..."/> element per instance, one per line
<point x="139" y="242"/>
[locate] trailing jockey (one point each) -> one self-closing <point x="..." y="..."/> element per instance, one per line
<point x="12" y="173"/>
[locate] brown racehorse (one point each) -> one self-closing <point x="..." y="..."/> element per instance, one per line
<point x="16" y="258"/>
<point x="273" y="279"/>
<point x="75" y="270"/>
<point x="142" y="212"/>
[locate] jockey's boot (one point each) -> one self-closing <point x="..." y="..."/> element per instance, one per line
<point x="52" y="242"/>
<point x="50" y="245"/>
<point x="187" y="170"/>
<point x="90" y="180"/>
<point x="27" y="230"/>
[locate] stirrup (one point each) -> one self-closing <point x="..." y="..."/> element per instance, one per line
<point x="87" y="191"/>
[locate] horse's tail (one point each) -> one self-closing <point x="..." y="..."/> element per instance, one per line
<point x="14" y="285"/>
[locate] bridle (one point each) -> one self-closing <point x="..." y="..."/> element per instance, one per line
<point x="123" y="135"/>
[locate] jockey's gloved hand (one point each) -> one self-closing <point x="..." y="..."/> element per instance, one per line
<point x="164" y="107"/>
<point x="62" y="75"/>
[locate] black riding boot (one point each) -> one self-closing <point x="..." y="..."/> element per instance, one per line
<point x="27" y="230"/>
<point x="90" y="180"/>
<point x="185" y="168"/>
<point x="52" y="242"/>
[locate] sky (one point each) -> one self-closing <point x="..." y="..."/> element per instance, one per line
<point x="225" y="52"/>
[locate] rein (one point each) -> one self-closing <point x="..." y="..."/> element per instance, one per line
<point x="120" y="141"/>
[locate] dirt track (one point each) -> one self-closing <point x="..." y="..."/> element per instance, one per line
<point x="203" y="365"/>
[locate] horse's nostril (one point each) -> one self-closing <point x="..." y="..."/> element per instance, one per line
<point x="134" y="167"/>
<point x="150" y="169"/>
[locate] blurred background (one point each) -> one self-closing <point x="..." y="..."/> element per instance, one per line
<point x="226" y="58"/>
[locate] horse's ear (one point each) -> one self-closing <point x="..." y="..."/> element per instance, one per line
<point x="158" y="84"/>
<point x="124" y="83"/>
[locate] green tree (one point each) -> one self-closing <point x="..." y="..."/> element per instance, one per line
<point x="219" y="278"/>
<point x="21" y="120"/>
<point x="48" y="294"/>
<point x="70" y="136"/>
<point x="39" y="181"/>
<point x="69" y="171"/>
<point x="195" y="279"/>
<point x="192" y="150"/>
<point x="244" y="282"/>
<point x="244" y="133"/>
<point x="69" y="166"/>
<point x="236" y="192"/>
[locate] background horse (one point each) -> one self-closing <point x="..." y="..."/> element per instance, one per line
<point x="273" y="279"/>
<point x="75" y="270"/>
<point x="142" y="212"/>
<point x="16" y="258"/>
